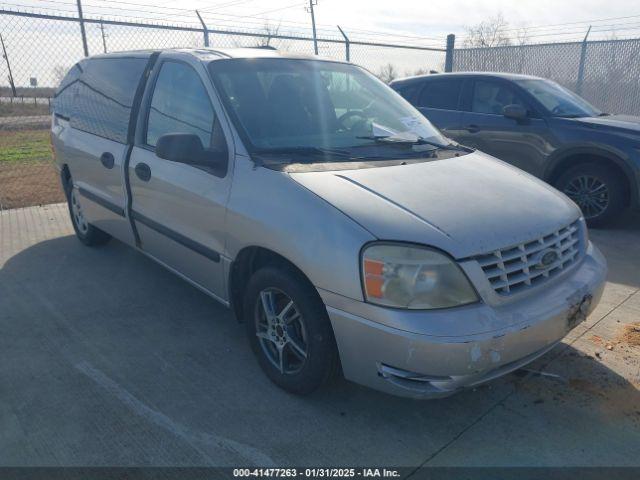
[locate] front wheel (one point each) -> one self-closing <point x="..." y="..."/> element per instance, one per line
<point x="597" y="190"/>
<point x="289" y="330"/>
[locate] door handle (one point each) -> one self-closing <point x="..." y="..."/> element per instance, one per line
<point x="472" y="128"/>
<point x="107" y="160"/>
<point x="143" y="171"/>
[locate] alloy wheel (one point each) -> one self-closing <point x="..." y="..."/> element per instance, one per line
<point x="78" y="215"/>
<point x="281" y="331"/>
<point x="590" y="193"/>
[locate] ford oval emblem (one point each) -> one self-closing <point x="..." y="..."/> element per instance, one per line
<point x="546" y="259"/>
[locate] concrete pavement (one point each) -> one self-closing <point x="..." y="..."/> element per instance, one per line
<point x="108" y="359"/>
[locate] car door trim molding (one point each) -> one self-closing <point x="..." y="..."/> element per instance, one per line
<point x="131" y="132"/>
<point x="102" y="201"/>
<point x="177" y="237"/>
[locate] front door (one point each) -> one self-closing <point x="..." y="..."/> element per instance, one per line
<point x="438" y="100"/>
<point x="523" y="143"/>
<point x="178" y="209"/>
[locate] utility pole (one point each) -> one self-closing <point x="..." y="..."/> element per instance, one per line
<point x="82" y="30"/>
<point x="6" y="58"/>
<point x="313" y="24"/>
<point x="104" y="36"/>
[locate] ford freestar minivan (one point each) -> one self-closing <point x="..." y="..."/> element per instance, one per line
<point x="334" y="219"/>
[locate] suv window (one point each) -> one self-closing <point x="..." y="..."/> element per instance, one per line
<point x="105" y="95"/>
<point x="63" y="99"/>
<point x="492" y="97"/>
<point x="180" y="104"/>
<point x="443" y="94"/>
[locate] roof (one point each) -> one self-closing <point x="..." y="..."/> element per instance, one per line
<point x="504" y="75"/>
<point x="208" y="53"/>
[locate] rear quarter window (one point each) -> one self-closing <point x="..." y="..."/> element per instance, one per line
<point x="105" y="94"/>
<point x="63" y="99"/>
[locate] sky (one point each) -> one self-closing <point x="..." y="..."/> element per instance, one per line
<point x="428" y="19"/>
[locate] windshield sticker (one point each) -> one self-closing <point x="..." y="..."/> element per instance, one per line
<point x="413" y="124"/>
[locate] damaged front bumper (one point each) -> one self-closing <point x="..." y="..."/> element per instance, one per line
<point x="431" y="354"/>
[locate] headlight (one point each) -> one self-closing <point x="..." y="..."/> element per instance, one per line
<point x="408" y="276"/>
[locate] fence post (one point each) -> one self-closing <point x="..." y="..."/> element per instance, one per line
<point x="448" y="60"/>
<point x="6" y="58"/>
<point x="82" y="30"/>
<point x="205" y="30"/>
<point x="347" y="45"/>
<point x="583" y="56"/>
<point x="104" y="36"/>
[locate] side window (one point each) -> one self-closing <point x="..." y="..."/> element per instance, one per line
<point x="105" y="96"/>
<point x="443" y="94"/>
<point x="180" y="104"/>
<point x="492" y="97"/>
<point x="64" y="97"/>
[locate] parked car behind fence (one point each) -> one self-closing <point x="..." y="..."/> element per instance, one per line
<point x="542" y="128"/>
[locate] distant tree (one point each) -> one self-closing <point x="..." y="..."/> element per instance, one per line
<point x="388" y="73"/>
<point x="59" y="72"/>
<point x="522" y="36"/>
<point x="270" y="32"/>
<point x="489" y="33"/>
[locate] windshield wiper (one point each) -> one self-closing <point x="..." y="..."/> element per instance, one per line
<point x="603" y="114"/>
<point x="403" y="140"/>
<point x="305" y="154"/>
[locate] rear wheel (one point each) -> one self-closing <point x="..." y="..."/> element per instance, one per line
<point x="289" y="330"/>
<point x="86" y="233"/>
<point x="596" y="189"/>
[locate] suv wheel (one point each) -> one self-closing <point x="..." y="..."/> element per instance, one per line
<point x="86" y="233"/>
<point x="598" y="191"/>
<point x="289" y="330"/>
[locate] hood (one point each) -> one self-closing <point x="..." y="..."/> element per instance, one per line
<point x="617" y="122"/>
<point x="465" y="205"/>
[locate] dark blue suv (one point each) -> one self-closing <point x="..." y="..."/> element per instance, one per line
<point x="540" y="127"/>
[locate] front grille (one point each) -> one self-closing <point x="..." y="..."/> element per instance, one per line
<point x="518" y="267"/>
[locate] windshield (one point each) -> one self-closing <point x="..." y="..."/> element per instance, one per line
<point x="559" y="101"/>
<point x="281" y="105"/>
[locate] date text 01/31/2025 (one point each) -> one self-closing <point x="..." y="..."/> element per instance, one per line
<point x="316" y="472"/>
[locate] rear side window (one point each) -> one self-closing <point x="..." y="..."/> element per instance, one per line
<point x="63" y="99"/>
<point x="180" y="104"/>
<point x="105" y="96"/>
<point x="442" y="94"/>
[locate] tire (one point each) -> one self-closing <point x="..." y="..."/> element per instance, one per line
<point x="304" y="326"/>
<point x="598" y="191"/>
<point x="86" y="233"/>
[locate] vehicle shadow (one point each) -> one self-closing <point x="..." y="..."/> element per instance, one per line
<point x="150" y="371"/>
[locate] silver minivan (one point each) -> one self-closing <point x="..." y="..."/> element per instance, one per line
<point x="342" y="228"/>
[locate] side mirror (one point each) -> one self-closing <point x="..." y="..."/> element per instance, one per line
<point x="187" y="148"/>
<point x="515" y="112"/>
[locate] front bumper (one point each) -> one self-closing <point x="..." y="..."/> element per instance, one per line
<point x="386" y="349"/>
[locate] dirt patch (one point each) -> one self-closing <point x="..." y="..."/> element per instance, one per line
<point x="27" y="184"/>
<point x="27" y="174"/>
<point x="631" y="334"/>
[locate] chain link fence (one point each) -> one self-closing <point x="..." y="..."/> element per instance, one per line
<point x="39" y="49"/>
<point x="603" y="72"/>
